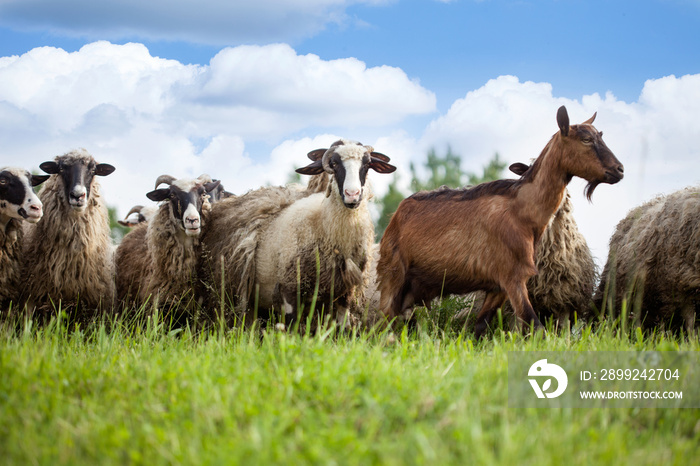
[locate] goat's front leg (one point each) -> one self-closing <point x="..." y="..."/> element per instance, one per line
<point x="492" y="301"/>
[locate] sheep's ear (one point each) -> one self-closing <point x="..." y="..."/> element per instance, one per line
<point x="38" y="179"/>
<point x="226" y="195"/>
<point x="103" y="169"/>
<point x="315" y="168"/>
<point x="51" y="168"/>
<point x="212" y="186"/>
<point x="159" y="194"/>
<point x="563" y="121"/>
<point x="519" y="168"/>
<point x="380" y="156"/>
<point x="590" y="120"/>
<point x="316" y="154"/>
<point x="381" y="166"/>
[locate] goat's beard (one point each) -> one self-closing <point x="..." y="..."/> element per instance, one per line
<point x="588" y="190"/>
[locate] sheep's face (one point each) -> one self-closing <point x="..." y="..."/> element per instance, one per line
<point x="348" y="162"/>
<point x="218" y="193"/>
<point x="77" y="173"/>
<point x="17" y="198"/>
<point x="186" y="199"/>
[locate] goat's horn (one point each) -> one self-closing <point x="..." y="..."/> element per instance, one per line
<point x="135" y="209"/>
<point x="167" y="179"/>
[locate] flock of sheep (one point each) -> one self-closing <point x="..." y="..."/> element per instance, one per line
<point x="286" y="252"/>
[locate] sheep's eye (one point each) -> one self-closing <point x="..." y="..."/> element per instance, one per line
<point x="3" y="181"/>
<point x="173" y="196"/>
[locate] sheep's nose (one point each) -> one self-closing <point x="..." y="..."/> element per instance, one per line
<point x="352" y="195"/>
<point x="35" y="208"/>
<point x="192" y="220"/>
<point x="77" y="195"/>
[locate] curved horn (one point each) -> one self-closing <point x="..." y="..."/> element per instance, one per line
<point x="325" y="160"/>
<point x="167" y="179"/>
<point x="135" y="209"/>
<point x="204" y="178"/>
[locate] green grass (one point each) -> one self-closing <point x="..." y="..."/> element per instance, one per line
<point x="127" y="393"/>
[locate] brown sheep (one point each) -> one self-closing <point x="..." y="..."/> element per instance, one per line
<point x="69" y="253"/>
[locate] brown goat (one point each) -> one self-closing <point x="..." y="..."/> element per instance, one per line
<point x="455" y="241"/>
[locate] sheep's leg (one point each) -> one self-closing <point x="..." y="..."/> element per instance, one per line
<point x="517" y="294"/>
<point x="688" y="313"/>
<point x="492" y="302"/>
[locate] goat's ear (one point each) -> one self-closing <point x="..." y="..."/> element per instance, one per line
<point x="380" y="166"/>
<point x="38" y="179"/>
<point x="315" y="168"/>
<point x="158" y="195"/>
<point x="519" y="168"/>
<point x="51" y="168"/>
<point x="316" y="154"/>
<point x="563" y="121"/>
<point x="103" y="169"/>
<point x="212" y="186"/>
<point x="591" y="119"/>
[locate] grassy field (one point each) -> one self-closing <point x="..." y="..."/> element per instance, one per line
<point x="124" y="393"/>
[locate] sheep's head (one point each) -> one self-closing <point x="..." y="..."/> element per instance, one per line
<point x="17" y="198"/>
<point x="186" y="199"/>
<point x="218" y="192"/>
<point x="138" y="214"/>
<point x="77" y="171"/>
<point x="348" y="162"/>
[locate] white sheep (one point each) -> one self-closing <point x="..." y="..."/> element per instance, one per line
<point x="269" y="240"/>
<point x="654" y="263"/>
<point x="17" y="203"/>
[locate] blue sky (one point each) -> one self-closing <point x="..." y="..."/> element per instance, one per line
<point x="244" y="89"/>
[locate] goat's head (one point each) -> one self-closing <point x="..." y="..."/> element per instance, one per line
<point x="348" y="162"/>
<point x="585" y="154"/>
<point x="17" y="198"/>
<point x="186" y="199"/>
<point x="77" y="170"/>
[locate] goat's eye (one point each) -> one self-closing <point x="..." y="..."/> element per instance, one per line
<point x="586" y="140"/>
<point x="3" y="181"/>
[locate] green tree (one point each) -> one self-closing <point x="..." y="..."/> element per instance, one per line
<point x="492" y="171"/>
<point x="389" y="203"/>
<point x="117" y="231"/>
<point x="442" y="171"/>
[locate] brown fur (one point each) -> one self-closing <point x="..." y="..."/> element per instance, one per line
<point x="11" y="239"/>
<point x="69" y="256"/>
<point x="158" y="263"/>
<point x="458" y="241"/>
<point x="131" y="263"/>
<point x="654" y="263"/>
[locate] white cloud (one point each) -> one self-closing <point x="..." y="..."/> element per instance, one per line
<point x="149" y="116"/>
<point x="217" y="22"/>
